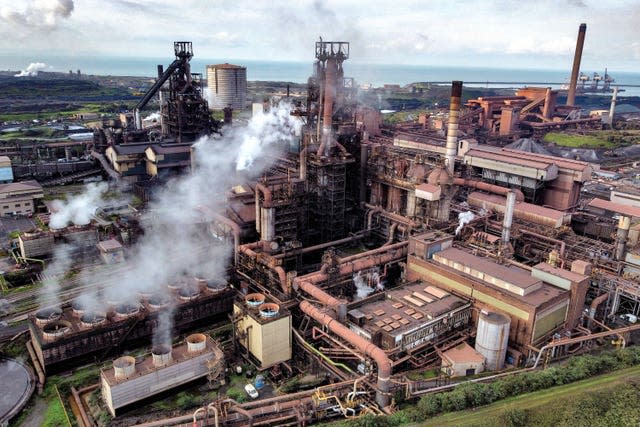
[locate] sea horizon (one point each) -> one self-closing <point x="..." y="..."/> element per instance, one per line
<point x="376" y="75"/>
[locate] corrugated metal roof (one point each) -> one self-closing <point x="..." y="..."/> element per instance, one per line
<point x="631" y="211"/>
<point x="30" y="185"/>
<point x="560" y="272"/>
<point x="529" y="208"/>
<point x="518" y="278"/>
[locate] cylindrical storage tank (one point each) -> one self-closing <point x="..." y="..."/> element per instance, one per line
<point x="124" y="367"/>
<point x="161" y="356"/>
<point x="46" y="315"/>
<point x="227" y="85"/>
<point x="196" y="343"/>
<point x="492" y="338"/>
<point x="254" y="300"/>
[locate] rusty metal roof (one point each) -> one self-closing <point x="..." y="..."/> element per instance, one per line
<point x="491" y="272"/>
<point x="462" y="353"/>
<point x="626" y="210"/>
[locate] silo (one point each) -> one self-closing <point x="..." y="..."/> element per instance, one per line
<point x="227" y="86"/>
<point x="492" y="338"/>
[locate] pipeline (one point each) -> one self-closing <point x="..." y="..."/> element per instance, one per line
<point x="594" y="306"/>
<point x="491" y="188"/>
<point x="377" y="354"/>
<point x="566" y="341"/>
<point x="321" y="354"/>
<point x="349" y="265"/>
<point x="392" y="216"/>
<point x="548" y="239"/>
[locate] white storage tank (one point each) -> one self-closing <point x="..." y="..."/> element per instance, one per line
<point x="227" y="85"/>
<point x="492" y="338"/>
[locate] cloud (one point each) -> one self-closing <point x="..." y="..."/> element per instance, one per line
<point x="41" y="14"/>
<point x="552" y="46"/>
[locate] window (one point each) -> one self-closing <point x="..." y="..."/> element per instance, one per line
<point x="5" y="207"/>
<point x="17" y="205"/>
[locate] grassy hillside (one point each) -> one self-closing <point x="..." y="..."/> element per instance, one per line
<point x="545" y="407"/>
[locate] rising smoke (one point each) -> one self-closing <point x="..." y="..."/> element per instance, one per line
<point x="464" y="218"/>
<point x="32" y="69"/>
<point x="177" y="244"/>
<point x="60" y="263"/>
<point x="78" y="209"/>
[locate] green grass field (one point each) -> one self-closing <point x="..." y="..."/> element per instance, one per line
<point x="490" y="414"/>
<point x="578" y="141"/>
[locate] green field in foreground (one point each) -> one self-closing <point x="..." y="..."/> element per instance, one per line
<point x="490" y="414"/>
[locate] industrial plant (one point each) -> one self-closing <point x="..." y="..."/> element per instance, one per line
<point x="357" y="251"/>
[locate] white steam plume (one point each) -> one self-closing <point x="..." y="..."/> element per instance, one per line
<point x="464" y="218"/>
<point x="32" y="69"/>
<point x="42" y="14"/>
<point x="366" y="283"/>
<point x="78" y="209"/>
<point x="60" y="263"/>
<point x="177" y="243"/>
<point x="153" y="117"/>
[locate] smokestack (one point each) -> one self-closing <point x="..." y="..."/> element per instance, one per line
<point x="612" y="110"/>
<point x="546" y="110"/>
<point x="160" y="70"/>
<point x="575" y="71"/>
<point x="508" y="217"/>
<point x="624" y="223"/>
<point x="452" y="131"/>
<point x="331" y="72"/>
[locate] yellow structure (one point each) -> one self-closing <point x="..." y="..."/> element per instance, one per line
<point x="263" y="329"/>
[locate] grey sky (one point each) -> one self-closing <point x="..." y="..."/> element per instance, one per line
<point x="491" y="33"/>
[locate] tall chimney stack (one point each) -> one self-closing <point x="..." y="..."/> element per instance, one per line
<point x="612" y="110"/>
<point x="575" y="71"/>
<point x="452" y="130"/>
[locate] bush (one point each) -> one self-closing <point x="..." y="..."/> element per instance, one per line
<point x="514" y="417"/>
<point x="471" y="395"/>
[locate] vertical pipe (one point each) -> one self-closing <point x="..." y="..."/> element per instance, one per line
<point x="303" y="164"/>
<point x="612" y="110"/>
<point x="508" y="217"/>
<point x="364" y="159"/>
<point x="575" y="71"/>
<point x="624" y="223"/>
<point x="160" y="70"/>
<point x="452" y="131"/>
<point x="330" y="77"/>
